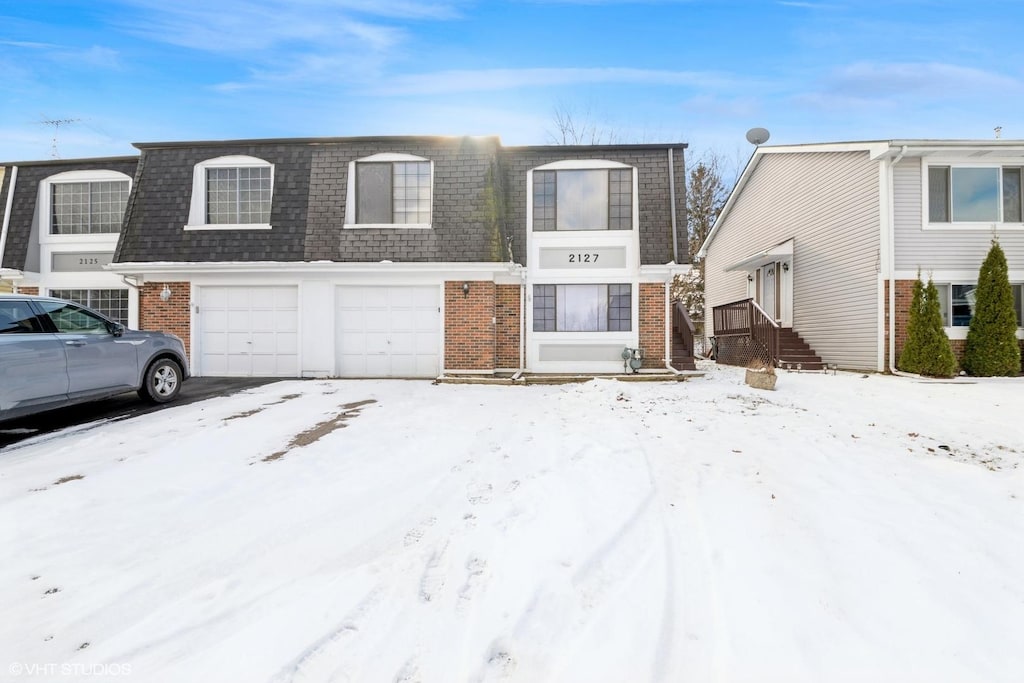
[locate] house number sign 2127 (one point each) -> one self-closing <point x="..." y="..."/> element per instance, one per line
<point x="583" y="258"/>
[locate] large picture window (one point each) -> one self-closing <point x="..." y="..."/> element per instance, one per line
<point x="972" y="194"/>
<point x="595" y="199"/>
<point x="393" y="192"/>
<point x="112" y="303"/>
<point x="87" y="208"/>
<point x="582" y="308"/>
<point x="956" y="302"/>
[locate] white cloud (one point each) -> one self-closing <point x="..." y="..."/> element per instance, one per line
<point x="868" y="78"/>
<point x="243" y="26"/>
<point x="468" y="80"/>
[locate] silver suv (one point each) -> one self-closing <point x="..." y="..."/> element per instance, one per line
<point x="55" y="353"/>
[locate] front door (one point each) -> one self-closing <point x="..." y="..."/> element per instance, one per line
<point x="768" y="289"/>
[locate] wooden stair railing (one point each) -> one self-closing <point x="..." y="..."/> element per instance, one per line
<point x="744" y="333"/>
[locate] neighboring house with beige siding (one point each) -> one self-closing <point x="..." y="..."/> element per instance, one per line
<point x="824" y="240"/>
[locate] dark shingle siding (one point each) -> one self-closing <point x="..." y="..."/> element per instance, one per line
<point x="479" y="202"/>
<point x="160" y="204"/>
<point x="653" y="192"/>
<point x="26" y="193"/>
<point x="460" y="230"/>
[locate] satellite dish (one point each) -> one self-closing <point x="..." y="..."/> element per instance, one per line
<point x="758" y="136"/>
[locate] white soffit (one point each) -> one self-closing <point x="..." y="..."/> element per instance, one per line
<point x="778" y="252"/>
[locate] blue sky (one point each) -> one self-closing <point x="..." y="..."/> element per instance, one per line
<point x="697" y="71"/>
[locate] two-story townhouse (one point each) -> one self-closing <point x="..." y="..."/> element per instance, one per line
<point x="61" y="223"/>
<point x="402" y="256"/>
<point x="823" y="242"/>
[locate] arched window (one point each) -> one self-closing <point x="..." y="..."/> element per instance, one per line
<point x="230" y="193"/>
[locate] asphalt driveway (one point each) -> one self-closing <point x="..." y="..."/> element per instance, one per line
<point x="122" y="407"/>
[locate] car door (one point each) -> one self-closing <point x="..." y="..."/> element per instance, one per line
<point x="33" y="364"/>
<point x="98" y="361"/>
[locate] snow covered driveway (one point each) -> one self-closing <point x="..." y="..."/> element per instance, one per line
<point x="840" y="528"/>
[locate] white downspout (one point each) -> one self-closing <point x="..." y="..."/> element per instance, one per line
<point x="522" y="321"/>
<point x="892" y="262"/>
<point x="7" y="213"/>
<point x="668" y="332"/>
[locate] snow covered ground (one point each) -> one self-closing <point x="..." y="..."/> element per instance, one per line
<point x="841" y="528"/>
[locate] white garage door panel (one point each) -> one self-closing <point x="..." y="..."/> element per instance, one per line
<point x="388" y="331"/>
<point x="248" y="331"/>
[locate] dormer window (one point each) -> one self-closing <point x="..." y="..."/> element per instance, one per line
<point x="390" y="190"/>
<point x="238" y="195"/>
<point x="583" y="199"/>
<point x="84" y="202"/>
<point x="88" y="208"/>
<point x="231" y="192"/>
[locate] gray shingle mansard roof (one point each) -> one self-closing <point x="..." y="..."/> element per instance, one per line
<point x="479" y="206"/>
<point x="23" y="205"/>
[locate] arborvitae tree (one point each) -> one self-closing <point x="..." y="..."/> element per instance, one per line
<point x="910" y="357"/>
<point x="927" y="350"/>
<point x="992" y="348"/>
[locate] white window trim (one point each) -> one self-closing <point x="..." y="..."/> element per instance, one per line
<point x="581" y="165"/>
<point x="197" y="207"/>
<point x="973" y="225"/>
<point x="959" y="332"/>
<point x="44" y="205"/>
<point x="350" y="194"/>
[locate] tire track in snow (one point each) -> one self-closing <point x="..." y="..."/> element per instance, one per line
<point x="310" y="662"/>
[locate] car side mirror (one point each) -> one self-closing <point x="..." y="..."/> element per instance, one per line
<point x="116" y="329"/>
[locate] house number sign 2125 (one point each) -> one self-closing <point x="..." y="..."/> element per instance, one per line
<point x="583" y="258"/>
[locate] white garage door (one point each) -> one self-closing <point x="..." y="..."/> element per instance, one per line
<point x="248" y="331"/>
<point x="388" y="331"/>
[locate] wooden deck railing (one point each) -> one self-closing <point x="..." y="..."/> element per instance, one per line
<point x="743" y="332"/>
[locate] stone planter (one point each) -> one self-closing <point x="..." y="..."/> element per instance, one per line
<point x="761" y="380"/>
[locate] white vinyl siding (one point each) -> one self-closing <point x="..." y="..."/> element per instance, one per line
<point x="828" y="203"/>
<point x="948" y="249"/>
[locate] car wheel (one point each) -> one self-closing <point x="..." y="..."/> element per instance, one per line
<point x="162" y="381"/>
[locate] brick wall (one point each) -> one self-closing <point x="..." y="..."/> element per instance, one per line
<point x="652" y="324"/>
<point x="509" y="327"/>
<point x="169" y="316"/>
<point x="469" y="334"/>
<point x="904" y="296"/>
<point x="33" y="291"/>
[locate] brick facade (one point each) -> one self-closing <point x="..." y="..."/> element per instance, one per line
<point x="169" y="316"/>
<point x="652" y="324"/>
<point x="509" y="326"/>
<point x="469" y="329"/>
<point x="904" y="297"/>
<point x="32" y="291"/>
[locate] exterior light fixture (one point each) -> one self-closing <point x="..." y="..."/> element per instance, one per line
<point x="165" y="293"/>
<point x="785" y="266"/>
<point x="465" y="289"/>
<point x="750" y="278"/>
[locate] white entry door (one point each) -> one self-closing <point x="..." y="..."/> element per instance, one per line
<point x="388" y="331"/>
<point x="248" y="331"/>
<point x="770" y="290"/>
